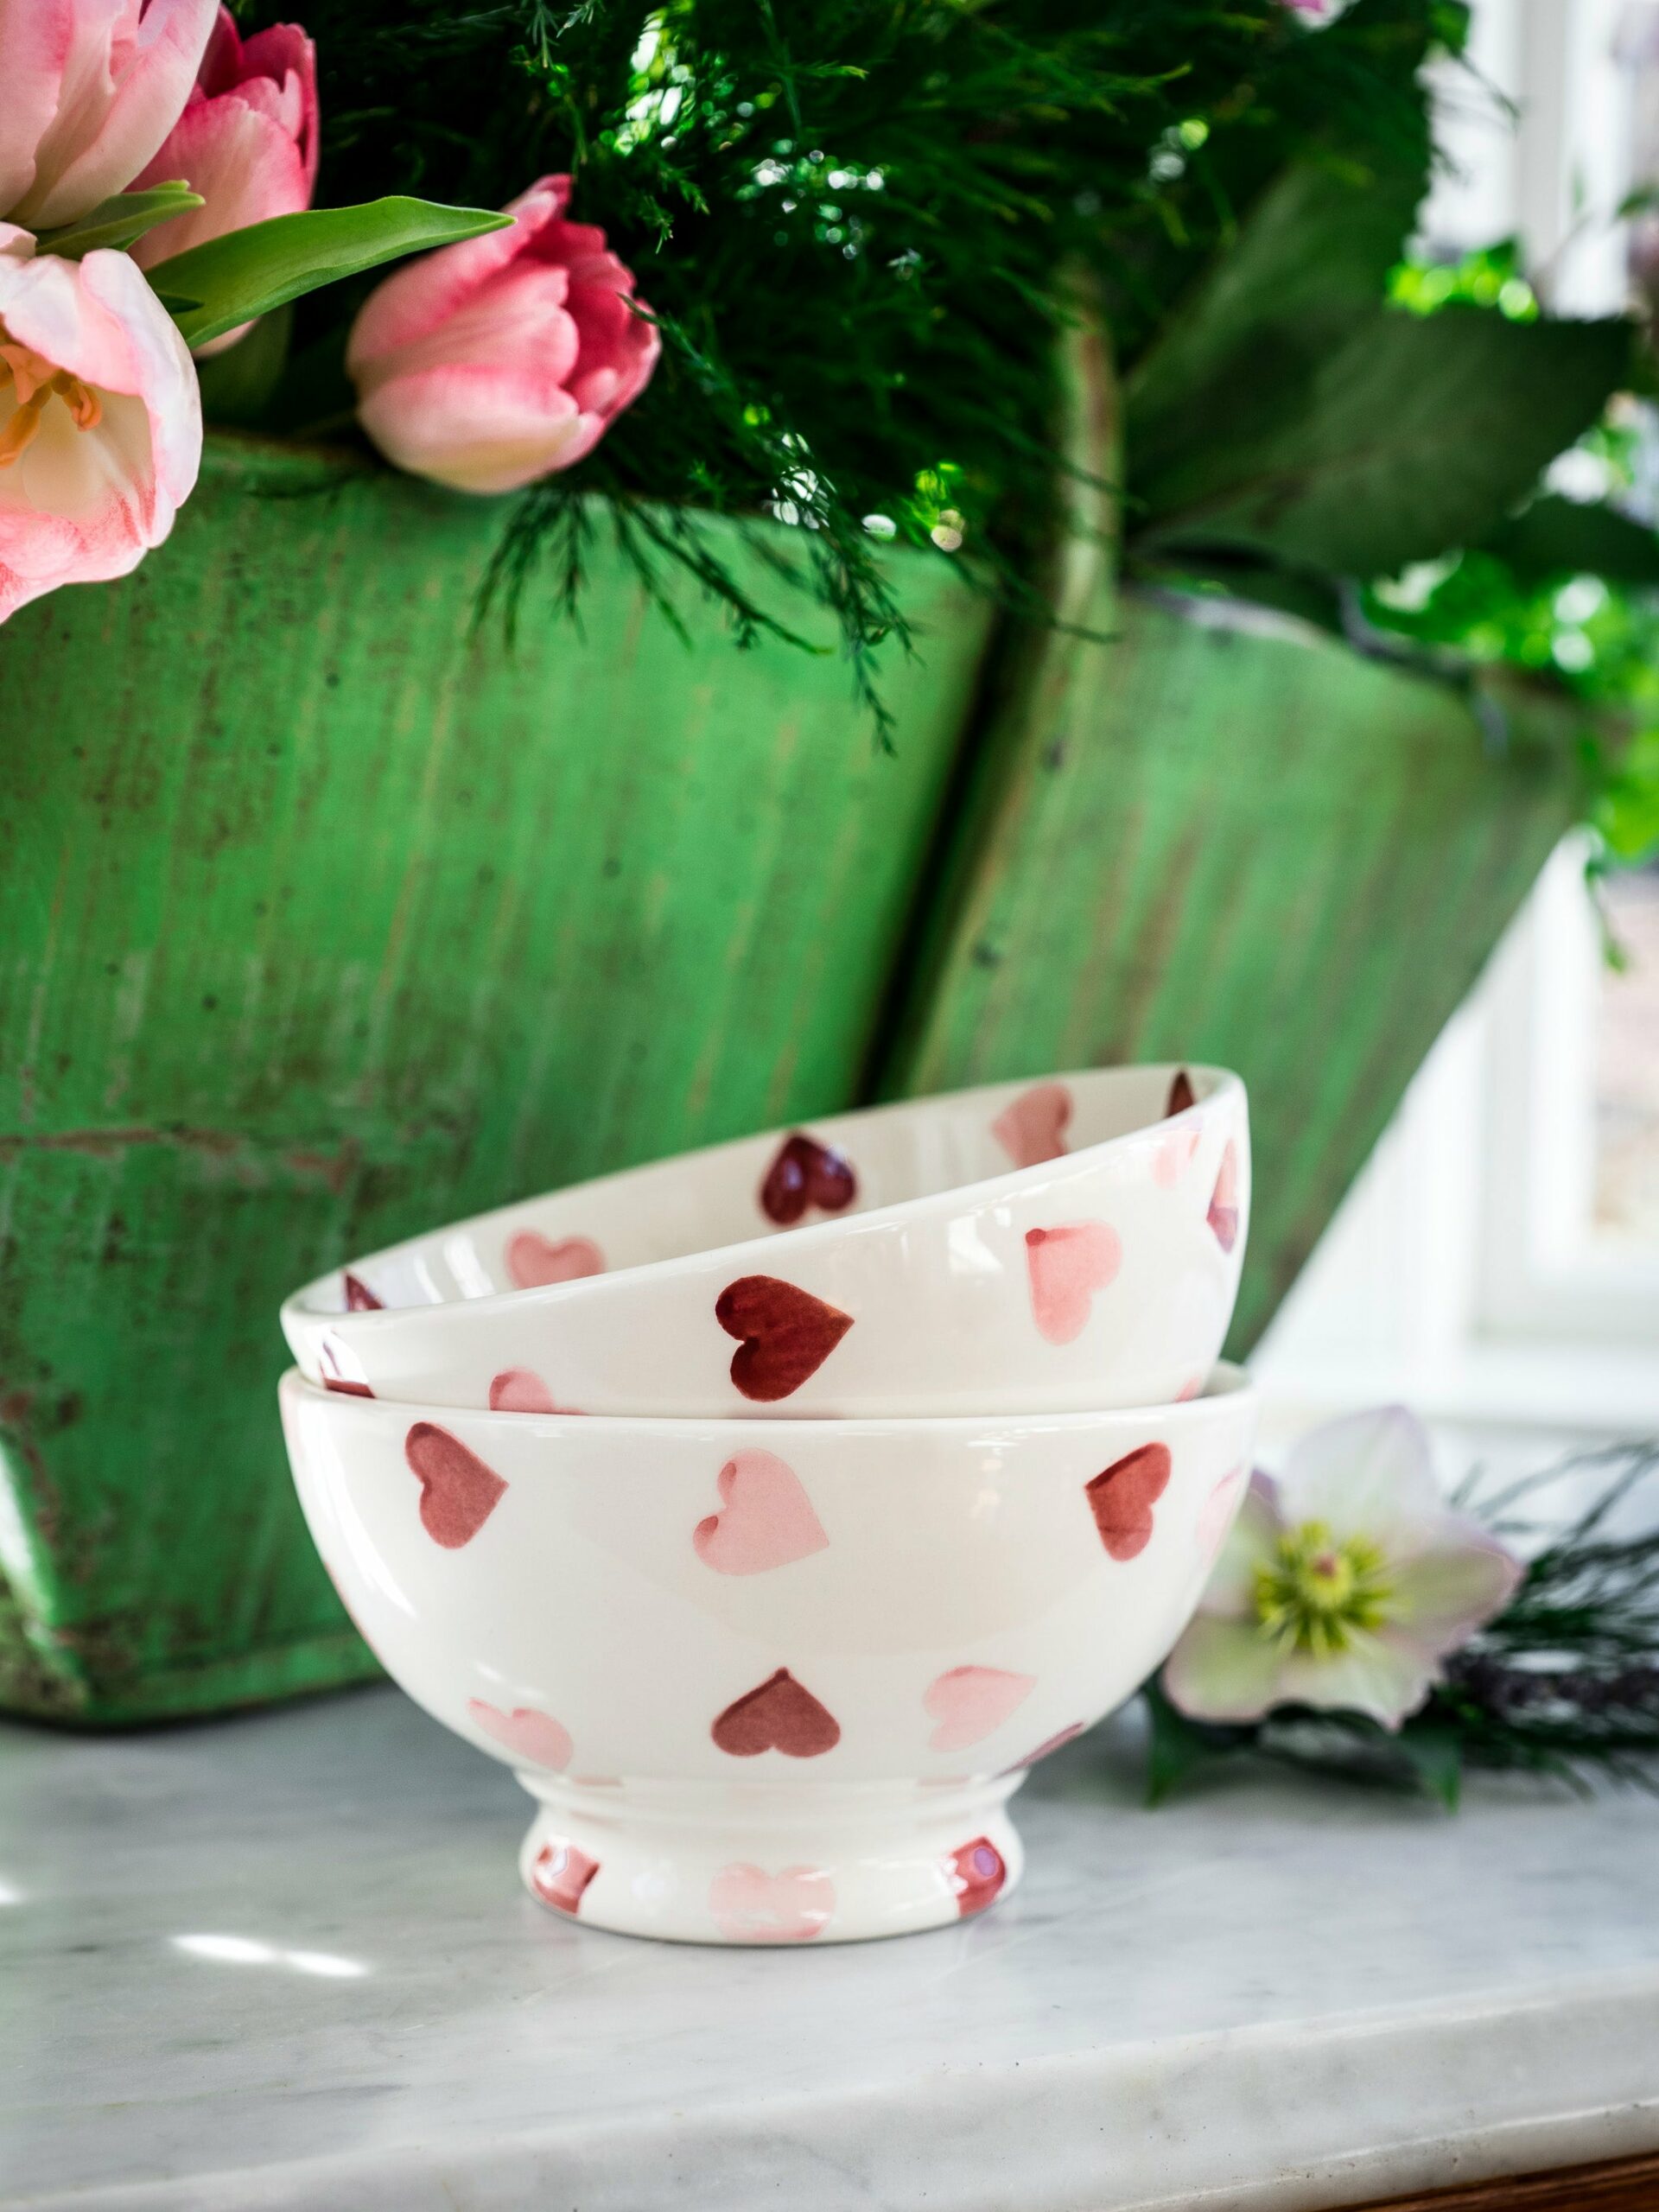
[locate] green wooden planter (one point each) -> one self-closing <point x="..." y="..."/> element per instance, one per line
<point x="324" y="917"/>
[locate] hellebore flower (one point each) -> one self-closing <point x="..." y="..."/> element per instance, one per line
<point x="247" y="142"/>
<point x="101" y="420"/>
<point x="489" y="364"/>
<point x="88" y="91"/>
<point x="1343" y="1585"/>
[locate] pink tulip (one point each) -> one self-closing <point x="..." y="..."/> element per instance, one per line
<point x="491" y="363"/>
<point x="100" y="423"/>
<point x="88" y="91"/>
<point x="247" y="142"/>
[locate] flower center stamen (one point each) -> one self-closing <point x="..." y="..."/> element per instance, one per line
<point x="1316" y="1594"/>
<point x="35" y="381"/>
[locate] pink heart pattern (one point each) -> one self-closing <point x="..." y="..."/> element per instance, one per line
<point x="1216" y="1513"/>
<point x="521" y="1390"/>
<point x="529" y="1734"/>
<point x="560" y="1876"/>
<point x="1223" y="1206"/>
<point x="976" y="1873"/>
<point x="1067" y="1266"/>
<point x="767" y="1520"/>
<point x="534" y="1260"/>
<point x="1122" y="1499"/>
<point x="970" y="1703"/>
<point x="1032" y="1129"/>
<point x="751" y="1906"/>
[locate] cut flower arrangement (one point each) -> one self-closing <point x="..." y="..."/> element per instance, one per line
<point x="861" y="230"/>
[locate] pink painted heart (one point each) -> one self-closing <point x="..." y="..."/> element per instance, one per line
<point x="1067" y="1266"/>
<point x="529" y="1734"/>
<point x="1181" y="1094"/>
<point x="1032" y="1129"/>
<point x="1223" y="1206"/>
<point x="458" y="1491"/>
<point x="521" y="1390"/>
<point x="1122" y="1498"/>
<point x="1216" y="1513"/>
<point x="534" y="1260"/>
<point x="359" y="1298"/>
<point x="976" y="1873"/>
<point x="806" y="1173"/>
<point x="342" y="1370"/>
<point x="751" y="1906"/>
<point x="768" y="1519"/>
<point x="970" y="1703"/>
<point x="560" y="1875"/>
<point x="785" y="1334"/>
<point x="780" y="1715"/>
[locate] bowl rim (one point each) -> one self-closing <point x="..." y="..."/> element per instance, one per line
<point x="299" y="1305"/>
<point x="1229" y="1391"/>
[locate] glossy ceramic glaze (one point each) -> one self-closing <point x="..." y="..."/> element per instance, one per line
<point x="769" y="1683"/>
<point x="1065" y="1244"/>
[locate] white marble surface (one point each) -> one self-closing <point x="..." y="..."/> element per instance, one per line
<point x="284" y="1962"/>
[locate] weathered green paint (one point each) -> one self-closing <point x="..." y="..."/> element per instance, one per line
<point x="322" y="918"/>
<point x="1227" y="836"/>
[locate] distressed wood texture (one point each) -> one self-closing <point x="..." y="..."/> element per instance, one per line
<point x="322" y="918"/>
<point x="1626" y="2185"/>
<point x="1225" y="835"/>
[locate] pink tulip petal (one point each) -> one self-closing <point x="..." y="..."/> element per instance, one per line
<point x="491" y="363"/>
<point x="84" y="506"/>
<point x="418" y="299"/>
<point x="1368" y="1474"/>
<point x="244" y="165"/>
<point x="475" y="427"/>
<point x="1223" y="1670"/>
<point x="125" y="72"/>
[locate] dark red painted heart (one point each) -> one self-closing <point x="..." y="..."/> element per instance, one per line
<point x="779" y="1716"/>
<point x="1122" y="1499"/>
<point x="560" y="1875"/>
<point x="359" y="1298"/>
<point x="976" y="1873"/>
<point x="1181" y="1094"/>
<point x="1223" y="1206"/>
<point x="806" y="1173"/>
<point x="458" y="1491"/>
<point x="787" y="1334"/>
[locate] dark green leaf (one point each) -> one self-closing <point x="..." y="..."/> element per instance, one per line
<point x="238" y="383"/>
<point x="120" y="221"/>
<point x="1434" y="1754"/>
<point x="247" y="273"/>
<point x="1311" y="260"/>
<point x="1177" y="1747"/>
<point x="1564" y="537"/>
<point x="1415" y="436"/>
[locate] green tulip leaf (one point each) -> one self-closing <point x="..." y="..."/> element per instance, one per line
<point x="120" y="221"/>
<point x="245" y="274"/>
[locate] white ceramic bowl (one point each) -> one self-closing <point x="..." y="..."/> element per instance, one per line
<point x="770" y="1682"/>
<point x="944" y="1256"/>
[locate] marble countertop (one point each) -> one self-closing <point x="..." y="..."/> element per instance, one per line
<point x="284" y="1962"/>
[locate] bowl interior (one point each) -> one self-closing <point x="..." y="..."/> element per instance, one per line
<point x="841" y="1167"/>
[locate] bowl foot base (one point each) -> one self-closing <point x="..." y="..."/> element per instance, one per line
<point x="746" y="1863"/>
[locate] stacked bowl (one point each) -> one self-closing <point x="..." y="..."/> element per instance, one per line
<point x="773" y="1509"/>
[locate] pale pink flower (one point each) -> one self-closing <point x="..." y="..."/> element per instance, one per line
<point x="1316" y="12"/>
<point x="100" y="421"/>
<point x="1343" y="1585"/>
<point x="247" y="142"/>
<point x="491" y="363"/>
<point x="88" y="91"/>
